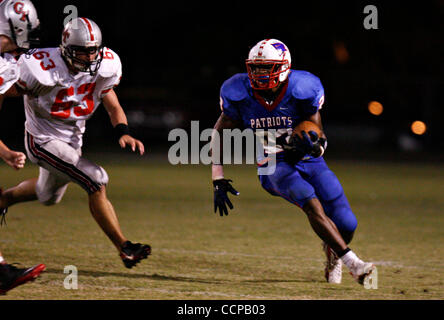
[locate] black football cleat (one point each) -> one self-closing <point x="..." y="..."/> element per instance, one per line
<point x="11" y="276"/>
<point x="132" y="253"/>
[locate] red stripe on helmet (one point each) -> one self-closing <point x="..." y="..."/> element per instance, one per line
<point x="88" y="24"/>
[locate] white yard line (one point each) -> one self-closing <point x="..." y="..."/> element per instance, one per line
<point x="179" y="292"/>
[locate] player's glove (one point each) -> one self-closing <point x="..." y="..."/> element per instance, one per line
<point x="221" y="187"/>
<point x="310" y="144"/>
<point x="296" y="148"/>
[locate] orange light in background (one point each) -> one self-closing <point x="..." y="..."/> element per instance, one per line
<point x="375" y="108"/>
<point x="341" y="52"/>
<point x="418" y="127"/>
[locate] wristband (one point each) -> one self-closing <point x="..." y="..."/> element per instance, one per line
<point x="121" y="129"/>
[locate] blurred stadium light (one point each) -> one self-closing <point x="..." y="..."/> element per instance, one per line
<point x="375" y="108"/>
<point x="418" y="127"/>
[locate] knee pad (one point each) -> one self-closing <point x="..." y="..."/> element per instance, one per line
<point x="94" y="175"/>
<point x="100" y="176"/>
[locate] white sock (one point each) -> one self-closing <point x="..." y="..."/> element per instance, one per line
<point x="350" y="259"/>
<point x="2" y="260"/>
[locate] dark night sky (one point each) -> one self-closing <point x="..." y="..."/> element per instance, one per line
<point x="176" y="56"/>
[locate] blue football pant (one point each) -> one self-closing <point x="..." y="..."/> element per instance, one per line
<point x="310" y="179"/>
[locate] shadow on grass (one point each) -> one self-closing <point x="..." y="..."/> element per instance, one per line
<point x="98" y="274"/>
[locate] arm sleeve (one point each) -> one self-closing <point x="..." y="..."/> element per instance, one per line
<point x="110" y="84"/>
<point x="319" y="96"/>
<point x="315" y="99"/>
<point x="229" y="107"/>
<point x="112" y="72"/>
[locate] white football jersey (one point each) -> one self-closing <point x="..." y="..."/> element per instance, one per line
<point x="9" y="72"/>
<point x="58" y="103"/>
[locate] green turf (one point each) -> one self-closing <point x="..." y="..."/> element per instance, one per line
<point x="265" y="248"/>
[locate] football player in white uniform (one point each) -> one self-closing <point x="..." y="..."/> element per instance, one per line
<point x="18" y="20"/>
<point x="63" y="87"/>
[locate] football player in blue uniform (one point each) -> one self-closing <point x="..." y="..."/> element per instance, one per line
<point x="273" y="96"/>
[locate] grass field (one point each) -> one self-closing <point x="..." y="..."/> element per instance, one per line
<point x="265" y="248"/>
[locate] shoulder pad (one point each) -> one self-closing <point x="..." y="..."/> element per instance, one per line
<point x="304" y="85"/>
<point x="111" y="65"/>
<point x="235" y="88"/>
<point x="38" y="65"/>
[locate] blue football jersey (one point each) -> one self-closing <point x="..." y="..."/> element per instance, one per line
<point x="303" y="96"/>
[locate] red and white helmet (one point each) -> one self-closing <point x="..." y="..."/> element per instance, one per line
<point x="268" y="64"/>
<point x="82" y="36"/>
<point x="19" y="21"/>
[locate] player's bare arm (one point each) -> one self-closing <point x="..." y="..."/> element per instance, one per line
<point x="118" y="118"/>
<point x="14" y="159"/>
<point x="225" y="122"/>
<point x="220" y="184"/>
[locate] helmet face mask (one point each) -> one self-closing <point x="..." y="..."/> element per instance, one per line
<point x="268" y="64"/>
<point x="73" y="54"/>
<point x="33" y="35"/>
<point x="265" y="74"/>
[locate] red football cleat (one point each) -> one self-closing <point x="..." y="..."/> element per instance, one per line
<point x="11" y="276"/>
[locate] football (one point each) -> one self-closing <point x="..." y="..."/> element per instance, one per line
<point x="306" y="126"/>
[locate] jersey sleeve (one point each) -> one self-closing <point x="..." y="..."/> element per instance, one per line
<point x="318" y="95"/>
<point x="230" y="94"/>
<point x="310" y="91"/>
<point x="33" y="78"/>
<point x="228" y="108"/>
<point x="9" y="73"/>
<point x="110" y="71"/>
